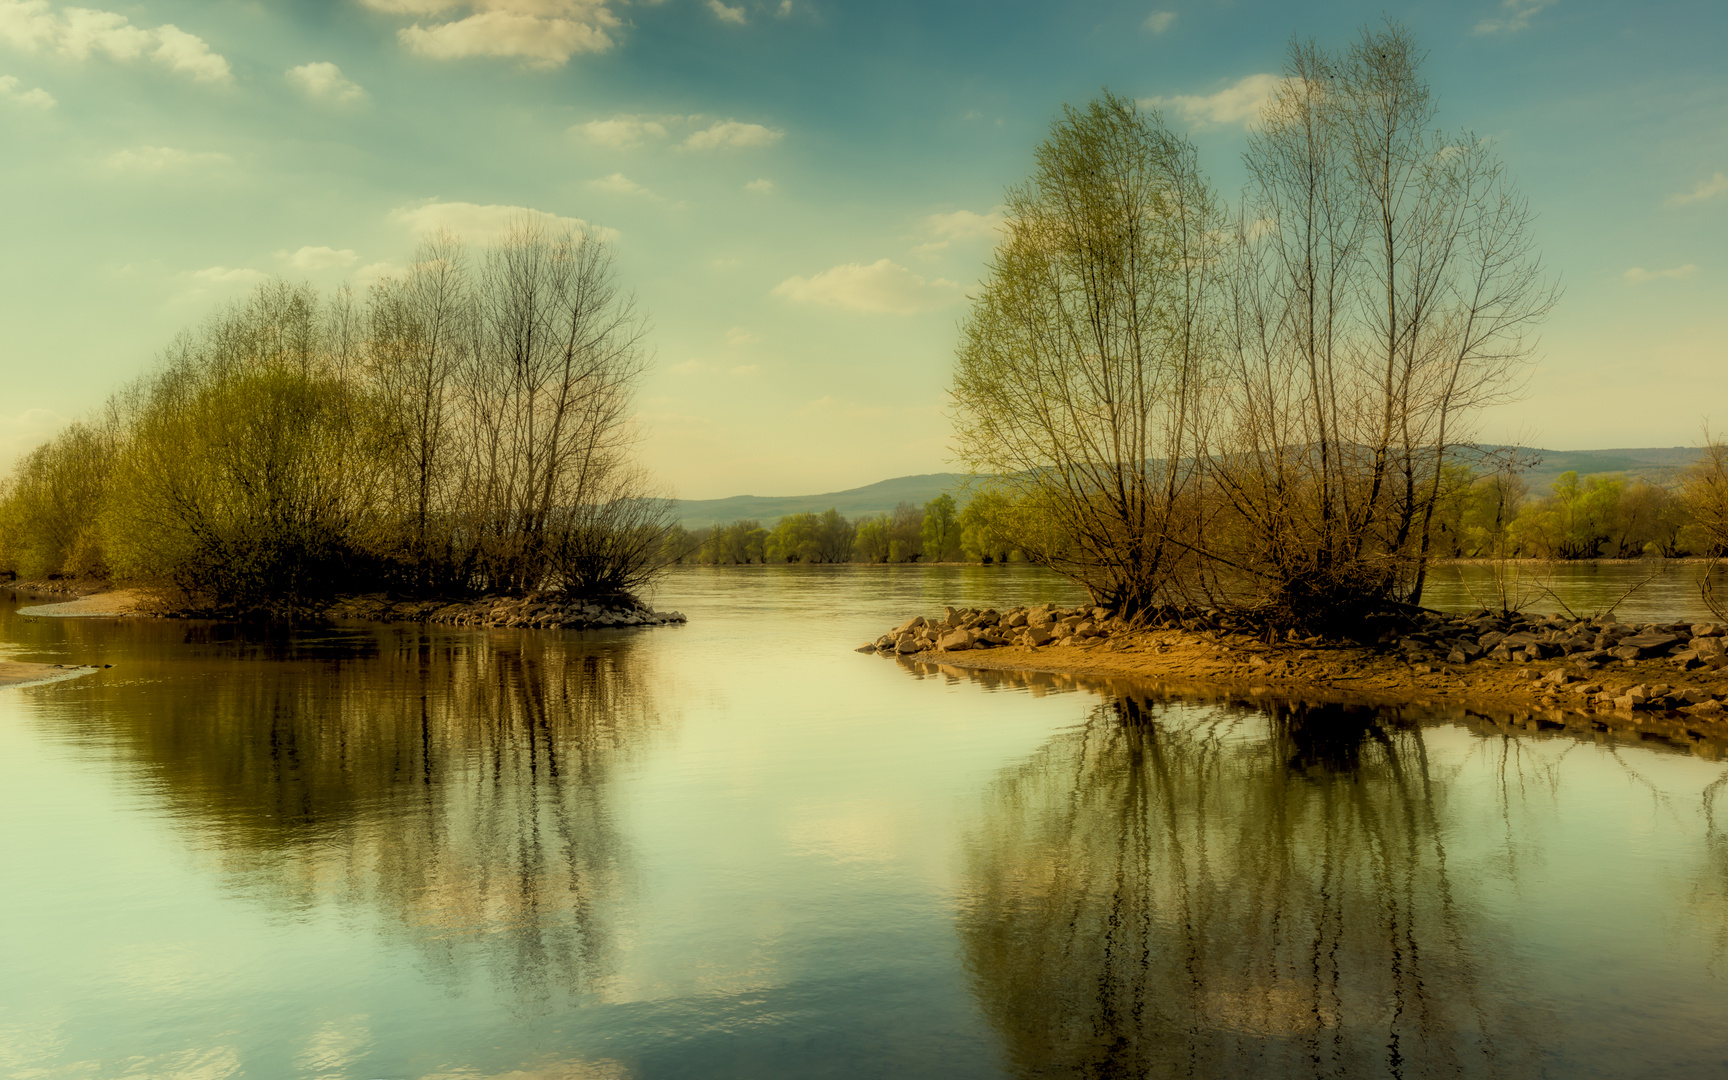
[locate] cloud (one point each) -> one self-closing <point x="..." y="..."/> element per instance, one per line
<point x="1706" y="189"/>
<point x="622" y="130"/>
<point x="23" y="433"/>
<point x="1514" y="15"/>
<point x="740" y="336"/>
<point x="34" y="99"/>
<point x="150" y="160"/>
<point x="1677" y="273"/>
<point x="784" y="9"/>
<point x="478" y="224"/>
<point x="222" y="275"/>
<point x="324" y="81"/>
<point x="1160" y="21"/>
<point x="1240" y="102"/>
<point x="761" y="187"/>
<point x="724" y="133"/>
<point x="744" y="370"/>
<point x="964" y="225"/>
<point x="318" y="258"/>
<point x="733" y="15"/>
<point x="78" y="33"/>
<point x="619" y="184"/>
<point x="883" y="287"/>
<point x="542" y="33"/>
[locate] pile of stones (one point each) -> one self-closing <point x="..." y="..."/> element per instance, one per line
<point x="974" y="628"/>
<point x="542" y="611"/>
<point x="1586" y="644"/>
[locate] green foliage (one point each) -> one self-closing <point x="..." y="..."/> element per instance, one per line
<point x="941" y="530"/>
<point x="49" y="509"/>
<point x="466" y="430"/>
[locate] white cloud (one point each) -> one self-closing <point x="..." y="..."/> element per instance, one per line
<point x="883" y="287"/>
<point x="619" y="184"/>
<point x="222" y="275"/>
<point x="1160" y="21"/>
<point x="621" y="130"/>
<point x="1706" y="189"/>
<point x="761" y="187"/>
<point x="369" y="275"/>
<point x="723" y="133"/>
<point x="733" y="15"/>
<point x="1239" y="102"/>
<point x="739" y="336"/>
<point x="150" y="160"/>
<point x="543" y="33"/>
<point x="785" y="8"/>
<point x="1514" y="15"/>
<point x="35" y="99"/>
<point x="324" y="81"/>
<point x="964" y="225"/>
<point x="478" y="224"/>
<point x="1677" y="273"/>
<point x="318" y="258"/>
<point x="79" y="33"/>
<point x="744" y="370"/>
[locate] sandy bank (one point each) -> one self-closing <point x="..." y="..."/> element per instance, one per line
<point x="112" y="602"/>
<point x="17" y="673"/>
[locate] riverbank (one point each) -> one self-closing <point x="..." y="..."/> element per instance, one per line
<point x="1672" y="676"/>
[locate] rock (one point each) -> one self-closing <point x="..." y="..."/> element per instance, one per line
<point x="1649" y="643"/>
<point x="1707" y="706"/>
<point x="1559" y="677"/>
<point x="1016" y="619"/>
<point x="1706" y="630"/>
<point x="1036" y="636"/>
<point x="1625" y="652"/>
<point x="955" y="641"/>
<point x="1456" y="656"/>
<point x="868" y="646"/>
<point x="906" y="644"/>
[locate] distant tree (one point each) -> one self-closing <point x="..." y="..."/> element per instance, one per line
<point x="941" y="532"/>
<point x="906" y="533"/>
<point x="870" y="541"/>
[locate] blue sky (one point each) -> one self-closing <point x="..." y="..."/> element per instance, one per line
<point x="802" y="191"/>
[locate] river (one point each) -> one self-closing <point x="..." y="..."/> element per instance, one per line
<point x="737" y="848"/>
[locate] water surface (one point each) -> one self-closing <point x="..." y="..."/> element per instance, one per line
<point x="739" y="849"/>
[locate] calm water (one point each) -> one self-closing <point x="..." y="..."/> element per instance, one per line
<point x="738" y="849"/>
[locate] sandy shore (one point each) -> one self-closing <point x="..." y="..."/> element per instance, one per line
<point x="16" y="673"/>
<point x="113" y="602"/>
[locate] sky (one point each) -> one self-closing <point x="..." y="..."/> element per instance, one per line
<point x="801" y="193"/>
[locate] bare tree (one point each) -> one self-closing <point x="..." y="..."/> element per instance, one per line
<point x="1081" y="364"/>
<point x="1383" y="290"/>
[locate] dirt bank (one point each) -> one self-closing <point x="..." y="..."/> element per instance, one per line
<point x="1668" y="677"/>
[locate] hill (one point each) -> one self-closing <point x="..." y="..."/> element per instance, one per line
<point x="1653" y="463"/>
<point x="877" y="498"/>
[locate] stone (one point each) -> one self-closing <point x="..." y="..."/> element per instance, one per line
<point x="1036" y="636"/>
<point x="1456" y="656"/>
<point x="1710" y="705"/>
<point x="1625" y="652"/>
<point x="1559" y="676"/>
<point x="1016" y="619"/>
<point x="1706" y="630"/>
<point x="1649" y="643"/>
<point x="955" y="641"/>
<point x="906" y="644"/>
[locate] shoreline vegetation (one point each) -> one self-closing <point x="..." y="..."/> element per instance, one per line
<point x="465" y="431"/>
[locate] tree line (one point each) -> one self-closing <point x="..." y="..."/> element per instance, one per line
<point x="463" y="428"/>
<point x="939" y="531"/>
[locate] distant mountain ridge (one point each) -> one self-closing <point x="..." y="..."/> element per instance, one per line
<point x="1652" y="463"/>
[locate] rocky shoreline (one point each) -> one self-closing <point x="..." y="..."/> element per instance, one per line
<point x="539" y="611"/>
<point x="1582" y="665"/>
<point x="536" y="611"/>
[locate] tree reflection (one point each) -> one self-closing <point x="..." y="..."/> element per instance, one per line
<point x="459" y="784"/>
<point x="1232" y="892"/>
